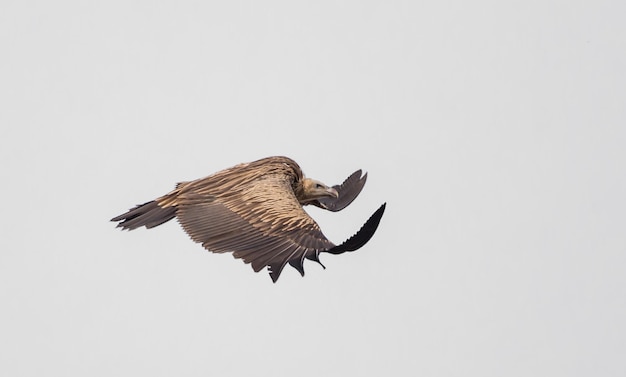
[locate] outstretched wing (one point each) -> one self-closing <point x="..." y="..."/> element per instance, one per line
<point x="362" y="236"/>
<point x="348" y="191"/>
<point x="351" y="244"/>
<point x="260" y="222"/>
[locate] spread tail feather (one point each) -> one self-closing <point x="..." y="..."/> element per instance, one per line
<point x="149" y="214"/>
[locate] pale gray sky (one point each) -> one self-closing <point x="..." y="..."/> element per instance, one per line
<point x="495" y="131"/>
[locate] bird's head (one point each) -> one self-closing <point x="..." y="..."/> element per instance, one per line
<point x="313" y="190"/>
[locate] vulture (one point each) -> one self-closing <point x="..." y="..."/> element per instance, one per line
<point x="255" y="211"/>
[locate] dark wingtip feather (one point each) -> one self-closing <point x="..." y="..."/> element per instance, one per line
<point x="315" y="257"/>
<point x="275" y="269"/>
<point x="298" y="264"/>
<point x="363" y="235"/>
<point x="149" y="214"/>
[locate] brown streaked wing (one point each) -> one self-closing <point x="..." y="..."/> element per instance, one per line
<point x="261" y="223"/>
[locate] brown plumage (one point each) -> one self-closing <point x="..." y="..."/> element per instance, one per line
<point x="254" y="210"/>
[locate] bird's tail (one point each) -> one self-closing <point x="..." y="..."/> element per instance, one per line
<point x="149" y="214"/>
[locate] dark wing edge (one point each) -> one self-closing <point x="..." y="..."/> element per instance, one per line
<point x="348" y="191"/>
<point x="149" y="214"/>
<point x="353" y="243"/>
<point x="362" y="236"/>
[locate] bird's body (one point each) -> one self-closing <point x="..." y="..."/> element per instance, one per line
<point x="254" y="210"/>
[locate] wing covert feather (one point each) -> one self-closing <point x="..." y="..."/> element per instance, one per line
<point x="261" y="223"/>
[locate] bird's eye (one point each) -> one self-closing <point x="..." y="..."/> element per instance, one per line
<point x="317" y="185"/>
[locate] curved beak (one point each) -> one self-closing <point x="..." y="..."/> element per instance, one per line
<point x="333" y="192"/>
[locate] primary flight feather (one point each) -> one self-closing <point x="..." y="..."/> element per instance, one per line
<point x="254" y="210"/>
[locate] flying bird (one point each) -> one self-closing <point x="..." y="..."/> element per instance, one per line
<point x="254" y="210"/>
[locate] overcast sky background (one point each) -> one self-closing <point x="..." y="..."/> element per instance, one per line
<point x="495" y="131"/>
